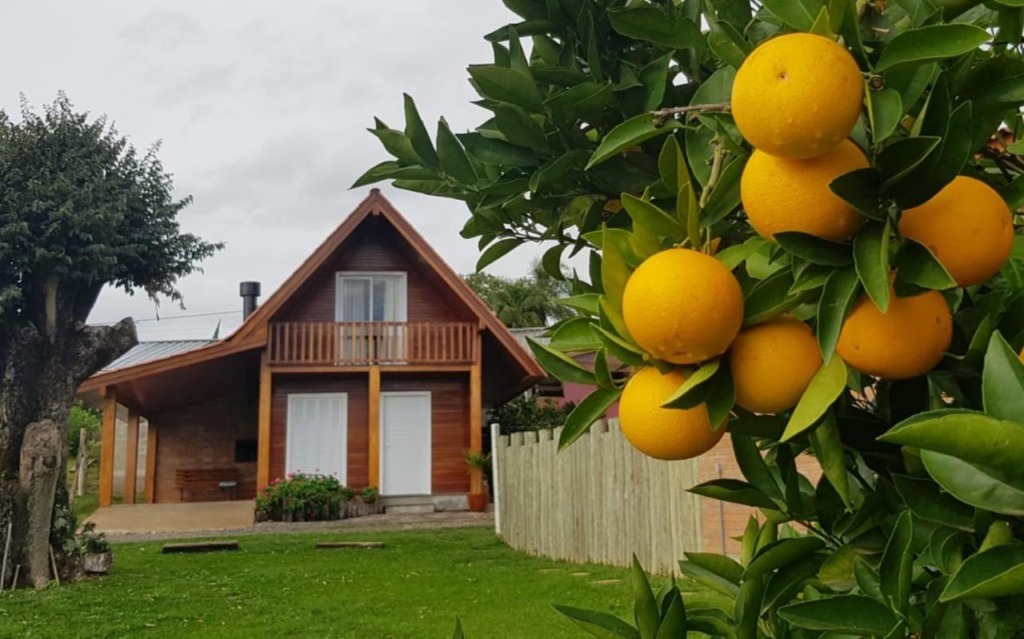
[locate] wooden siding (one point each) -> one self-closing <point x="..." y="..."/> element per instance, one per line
<point x="449" y="432"/>
<point x="375" y="246"/>
<point x="203" y="436"/>
<point x="356" y="386"/>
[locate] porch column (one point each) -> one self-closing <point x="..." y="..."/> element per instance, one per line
<point x="151" y="437"/>
<point x="263" y="445"/>
<point x="106" y="497"/>
<point x="476" y="415"/>
<point x="131" y="458"/>
<point x="373" y="414"/>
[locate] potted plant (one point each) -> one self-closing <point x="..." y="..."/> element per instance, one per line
<point x="370" y="497"/>
<point x="96" y="553"/>
<point x="478" y="462"/>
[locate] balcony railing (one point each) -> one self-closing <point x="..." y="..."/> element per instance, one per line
<point x="365" y="343"/>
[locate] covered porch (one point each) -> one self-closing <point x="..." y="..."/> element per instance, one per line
<point x="127" y="519"/>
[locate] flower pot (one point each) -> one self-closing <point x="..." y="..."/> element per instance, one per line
<point x="97" y="563"/>
<point x="477" y="502"/>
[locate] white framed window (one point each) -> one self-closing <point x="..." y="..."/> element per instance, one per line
<point x="371" y="297"/>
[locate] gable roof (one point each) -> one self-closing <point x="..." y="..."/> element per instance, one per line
<point x="253" y="331"/>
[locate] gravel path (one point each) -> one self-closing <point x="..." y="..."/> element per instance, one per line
<point x="373" y="523"/>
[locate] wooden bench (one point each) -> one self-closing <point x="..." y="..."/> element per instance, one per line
<point x="206" y="480"/>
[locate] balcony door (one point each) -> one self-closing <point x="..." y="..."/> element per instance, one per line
<point x="371" y="311"/>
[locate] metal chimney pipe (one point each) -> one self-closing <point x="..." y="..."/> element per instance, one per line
<point x="250" y="292"/>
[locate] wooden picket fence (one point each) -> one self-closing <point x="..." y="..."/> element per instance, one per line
<point x="598" y="501"/>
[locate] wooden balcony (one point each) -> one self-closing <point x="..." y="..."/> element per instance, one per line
<point x="366" y="343"/>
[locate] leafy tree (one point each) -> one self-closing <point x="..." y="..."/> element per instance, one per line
<point x="613" y="136"/>
<point x="522" y="302"/>
<point x="82" y="417"/>
<point x="80" y="209"/>
<point x="527" y="412"/>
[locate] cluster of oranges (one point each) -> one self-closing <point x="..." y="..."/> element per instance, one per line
<point x="796" y="99"/>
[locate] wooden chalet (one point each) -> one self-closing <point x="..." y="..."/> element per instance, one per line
<point x="372" y="362"/>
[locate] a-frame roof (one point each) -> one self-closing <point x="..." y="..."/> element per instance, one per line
<point x="253" y="331"/>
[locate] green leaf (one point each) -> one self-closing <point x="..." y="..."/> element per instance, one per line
<point x="416" y="131"/>
<point x="799" y="14"/>
<point x="936" y="42"/>
<point x="452" y="156"/>
<point x="390" y="170"/>
<point x="666" y="29"/>
<point x="733" y="256"/>
<point x="837" y="298"/>
<point x="522" y="130"/>
<point x="770" y="298"/>
<point x="496" y="152"/>
<point x="871" y="255"/>
<point x="1003" y="381"/>
<point x="821" y="25"/>
<point x="561" y="365"/>
<point x="748" y="608"/>
<point x="815" y="249"/>
<point x="997" y="572"/>
<point x="734" y="491"/>
<point x="854" y="614"/>
<point x="506" y="85"/>
<point x="628" y="134"/>
<point x="575" y="335"/>
<point x="885" y="109"/>
<point x="721" y="397"/>
<point x="602" y="371"/>
<point x="826" y="385"/>
<point x="942" y="165"/>
<point x="614" y="273"/>
<point x="717" y="572"/>
<point x="668" y="164"/>
<point x="620" y="348"/>
<point x="828" y="448"/>
<point x="781" y="553"/>
<point x="972" y="485"/>
<point x="599" y="624"/>
<point x="589" y="410"/>
<point x="897" y="562"/>
<point x="861" y="189"/>
<point x="725" y="196"/>
<point x="727" y="44"/>
<point x="496" y="251"/>
<point x="673" y="623"/>
<point x="645" y="609"/>
<point x="784" y="584"/>
<point x="867" y="579"/>
<point x="458" y="634"/>
<point x="837" y="569"/>
<point x="897" y="160"/>
<point x="682" y="398"/>
<point x="926" y="501"/>
<point x="915" y="263"/>
<point x="585" y="303"/>
<point x="975" y="438"/>
<point x="651" y="217"/>
<point x="753" y="465"/>
<point x="395" y="143"/>
<point x="654" y="77"/>
<point x="1013" y="193"/>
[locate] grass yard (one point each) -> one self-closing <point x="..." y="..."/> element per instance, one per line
<point x="280" y="586"/>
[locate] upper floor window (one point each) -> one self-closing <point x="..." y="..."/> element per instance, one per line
<point x="371" y="297"/>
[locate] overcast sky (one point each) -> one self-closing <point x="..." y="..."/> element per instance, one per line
<point x="262" y="108"/>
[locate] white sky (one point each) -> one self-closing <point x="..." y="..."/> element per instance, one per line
<point x="263" y="109"/>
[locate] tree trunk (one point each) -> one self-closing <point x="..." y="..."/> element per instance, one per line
<point x="40" y="380"/>
<point x="42" y="458"/>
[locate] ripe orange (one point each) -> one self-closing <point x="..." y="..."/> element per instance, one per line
<point x="907" y="341"/>
<point x="772" y="364"/>
<point x="663" y="433"/>
<point x="793" y="195"/>
<point x="683" y="306"/>
<point x="797" y="95"/>
<point x="967" y="225"/>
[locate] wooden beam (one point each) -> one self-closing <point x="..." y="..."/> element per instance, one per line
<point x="374" y="427"/>
<point x="391" y="368"/>
<point x="106" y="497"/>
<point x="476" y="424"/>
<point x="151" y="440"/>
<point x="131" y="458"/>
<point x="263" y="446"/>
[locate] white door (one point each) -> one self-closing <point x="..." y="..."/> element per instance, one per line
<point x="405" y="443"/>
<point x="318" y="434"/>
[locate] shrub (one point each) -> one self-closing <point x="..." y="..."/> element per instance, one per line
<point x="303" y="497"/>
<point x="527" y="412"/>
<point x="92" y="542"/>
<point x="82" y="417"/>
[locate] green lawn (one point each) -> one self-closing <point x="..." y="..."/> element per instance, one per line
<point x="278" y="586"/>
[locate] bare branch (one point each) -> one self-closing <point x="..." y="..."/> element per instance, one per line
<point x="661" y="116"/>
